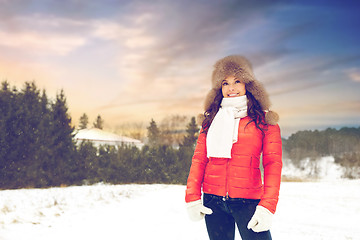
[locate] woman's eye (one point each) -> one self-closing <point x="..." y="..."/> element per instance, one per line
<point x="237" y="81"/>
<point x="224" y="83"/>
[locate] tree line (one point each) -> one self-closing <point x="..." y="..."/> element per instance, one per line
<point x="37" y="148"/>
<point x="343" y="144"/>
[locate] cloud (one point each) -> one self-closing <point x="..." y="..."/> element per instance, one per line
<point x="159" y="50"/>
<point x="42" y="34"/>
<point x="353" y="74"/>
<point x="289" y="74"/>
<point x="41" y="42"/>
<point x="140" y="57"/>
<point x="164" y="53"/>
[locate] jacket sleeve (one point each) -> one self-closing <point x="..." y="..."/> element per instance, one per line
<point x="197" y="169"/>
<point x="272" y="163"/>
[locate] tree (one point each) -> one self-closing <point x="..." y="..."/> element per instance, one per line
<point x="84" y="121"/>
<point x="25" y="137"/>
<point x="44" y="153"/>
<point x="86" y="167"/>
<point x="6" y="104"/>
<point x="191" y="136"/>
<point x="186" y="150"/>
<point x="25" y="133"/>
<point x="153" y="134"/>
<point x="99" y="122"/>
<point x="62" y="163"/>
<point x="172" y="130"/>
<point x="9" y="107"/>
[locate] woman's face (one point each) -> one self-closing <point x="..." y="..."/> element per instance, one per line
<point x="232" y="87"/>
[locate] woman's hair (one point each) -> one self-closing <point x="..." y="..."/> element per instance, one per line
<point x="210" y="113"/>
<point x="254" y="111"/>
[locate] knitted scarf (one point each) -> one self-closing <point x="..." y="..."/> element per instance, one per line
<point x="223" y="131"/>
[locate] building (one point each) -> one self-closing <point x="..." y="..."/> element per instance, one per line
<point x="100" y="137"/>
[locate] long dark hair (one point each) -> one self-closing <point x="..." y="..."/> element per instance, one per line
<point x="254" y="111"/>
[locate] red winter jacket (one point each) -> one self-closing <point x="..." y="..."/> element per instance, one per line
<point x="240" y="176"/>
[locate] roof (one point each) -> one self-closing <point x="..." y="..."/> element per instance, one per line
<point x="99" y="135"/>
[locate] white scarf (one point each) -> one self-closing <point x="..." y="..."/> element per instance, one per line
<point x="223" y="131"/>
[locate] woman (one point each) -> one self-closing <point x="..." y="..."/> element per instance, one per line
<point x="237" y="128"/>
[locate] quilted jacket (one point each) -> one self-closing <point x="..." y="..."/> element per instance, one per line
<point x="240" y="176"/>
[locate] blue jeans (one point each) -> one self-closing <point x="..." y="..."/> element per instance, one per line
<point x="230" y="211"/>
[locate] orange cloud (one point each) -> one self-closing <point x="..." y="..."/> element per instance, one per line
<point x="354" y="74"/>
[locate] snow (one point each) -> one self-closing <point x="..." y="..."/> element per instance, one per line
<point x="327" y="209"/>
<point x="323" y="168"/>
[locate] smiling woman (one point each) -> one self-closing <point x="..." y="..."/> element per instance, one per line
<point x="238" y="128"/>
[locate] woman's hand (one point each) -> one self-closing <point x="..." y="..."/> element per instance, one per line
<point x="261" y="220"/>
<point x="197" y="210"/>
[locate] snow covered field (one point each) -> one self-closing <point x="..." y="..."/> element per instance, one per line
<point x="306" y="210"/>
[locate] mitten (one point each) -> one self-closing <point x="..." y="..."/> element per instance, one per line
<point x="197" y="210"/>
<point x="261" y="220"/>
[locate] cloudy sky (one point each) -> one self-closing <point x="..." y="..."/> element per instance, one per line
<point x="134" y="60"/>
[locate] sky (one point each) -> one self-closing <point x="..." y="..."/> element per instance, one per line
<point x="137" y="60"/>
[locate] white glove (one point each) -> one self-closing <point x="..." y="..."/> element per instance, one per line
<point x="261" y="220"/>
<point x="197" y="210"/>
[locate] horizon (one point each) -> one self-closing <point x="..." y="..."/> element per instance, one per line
<point x="133" y="61"/>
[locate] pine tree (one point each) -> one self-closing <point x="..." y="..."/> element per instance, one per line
<point x="153" y="134"/>
<point x="44" y="153"/>
<point x="21" y="133"/>
<point x="7" y="104"/>
<point x="62" y="165"/>
<point x="84" y="121"/>
<point x="191" y="136"/>
<point x="99" y="122"/>
<point x="186" y="150"/>
<point x="86" y="166"/>
<point x="5" y="112"/>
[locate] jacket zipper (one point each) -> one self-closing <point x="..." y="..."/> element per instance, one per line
<point x="227" y="184"/>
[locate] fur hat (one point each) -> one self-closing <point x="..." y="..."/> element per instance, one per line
<point x="239" y="67"/>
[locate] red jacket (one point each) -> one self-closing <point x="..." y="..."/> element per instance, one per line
<point x="240" y="176"/>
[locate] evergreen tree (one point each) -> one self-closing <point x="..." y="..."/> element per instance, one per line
<point x="99" y="122"/>
<point x="84" y="121"/>
<point x="191" y="136"/>
<point x="153" y="134"/>
<point x="186" y="150"/>
<point x="5" y="112"/>
<point x="7" y="104"/>
<point x="86" y="167"/>
<point x="21" y="135"/>
<point x="23" y="126"/>
<point x="61" y="166"/>
<point x="44" y="152"/>
<point x="31" y="133"/>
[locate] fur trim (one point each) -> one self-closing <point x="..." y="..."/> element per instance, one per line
<point x="241" y="68"/>
<point x="258" y="91"/>
<point x="234" y="65"/>
<point x="271" y="118"/>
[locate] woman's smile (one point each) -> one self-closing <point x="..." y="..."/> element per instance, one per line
<point x="234" y="95"/>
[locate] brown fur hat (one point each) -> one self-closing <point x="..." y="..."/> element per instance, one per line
<point x="239" y="67"/>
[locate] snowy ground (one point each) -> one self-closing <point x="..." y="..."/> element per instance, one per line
<point x="306" y="210"/>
